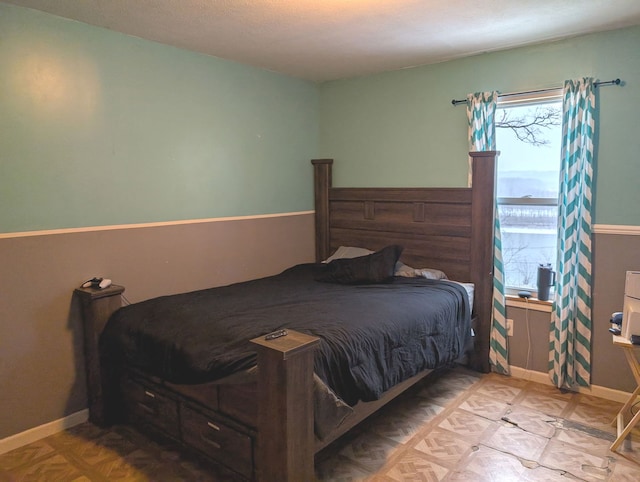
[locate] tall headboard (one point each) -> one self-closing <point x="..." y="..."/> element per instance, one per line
<point x="450" y="229"/>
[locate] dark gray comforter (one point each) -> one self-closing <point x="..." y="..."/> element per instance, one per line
<point x="373" y="336"/>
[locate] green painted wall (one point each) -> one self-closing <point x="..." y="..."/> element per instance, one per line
<point x="100" y="128"/>
<point x="399" y="128"/>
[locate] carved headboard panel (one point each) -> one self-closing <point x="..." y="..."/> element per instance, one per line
<point x="450" y="229"/>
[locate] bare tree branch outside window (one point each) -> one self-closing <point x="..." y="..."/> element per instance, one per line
<point x="529" y="128"/>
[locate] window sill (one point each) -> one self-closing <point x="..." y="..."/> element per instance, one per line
<point x="533" y="304"/>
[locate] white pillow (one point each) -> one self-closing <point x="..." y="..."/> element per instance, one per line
<point x="430" y="273"/>
<point x="409" y="272"/>
<point x="404" y="270"/>
<point x="348" y="252"/>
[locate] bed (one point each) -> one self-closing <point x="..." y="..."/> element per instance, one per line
<point x="265" y="423"/>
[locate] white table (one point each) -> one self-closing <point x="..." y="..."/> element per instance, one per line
<point x="622" y="429"/>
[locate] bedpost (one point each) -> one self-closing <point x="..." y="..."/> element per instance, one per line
<point x="285" y="410"/>
<point x="97" y="307"/>
<point x="482" y="212"/>
<point x="322" y="183"/>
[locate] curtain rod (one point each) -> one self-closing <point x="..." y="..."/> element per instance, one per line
<point x="596" y="84"/>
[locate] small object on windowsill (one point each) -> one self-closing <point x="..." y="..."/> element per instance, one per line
<point x="616" y="318"/>
<point x="534" y="303"/>
<point x="524" y="294"/>
<point x="615" y="331"/>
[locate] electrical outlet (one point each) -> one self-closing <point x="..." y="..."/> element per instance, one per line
<point x="509" y="327"/>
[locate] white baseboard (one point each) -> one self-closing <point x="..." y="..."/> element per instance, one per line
<point x="594" y="390"/>
<point x="34" y="434"/>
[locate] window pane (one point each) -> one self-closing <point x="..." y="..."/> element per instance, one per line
<point x="528" y="167"/>
<point x="529" y="238"/>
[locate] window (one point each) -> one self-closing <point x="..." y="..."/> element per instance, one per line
<point x="528" y="136"/>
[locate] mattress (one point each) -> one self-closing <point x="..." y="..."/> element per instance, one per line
<point x="469" y="288"/>
<point x="373" y="336"/>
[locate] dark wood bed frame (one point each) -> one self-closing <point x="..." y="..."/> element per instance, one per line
<point x="264" y="431"/>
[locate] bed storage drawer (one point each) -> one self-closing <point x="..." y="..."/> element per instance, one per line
<point x="218" y="440"/>
<point x="150" y="405"/>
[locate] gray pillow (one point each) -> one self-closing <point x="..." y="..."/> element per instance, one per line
<point x="378" y="267"/>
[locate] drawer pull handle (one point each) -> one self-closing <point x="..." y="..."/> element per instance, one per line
<point x="211" y="442"/>
<point x="149" y="394"/>
<point x="213" y="426"/>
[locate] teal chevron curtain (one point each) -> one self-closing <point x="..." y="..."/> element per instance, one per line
<point x="570" y="334"/>
<point x="481" y="108"/>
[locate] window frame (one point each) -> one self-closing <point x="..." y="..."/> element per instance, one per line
<point x="546" y="96"/>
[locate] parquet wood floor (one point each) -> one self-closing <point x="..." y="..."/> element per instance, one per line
<point x="455" y="426"/>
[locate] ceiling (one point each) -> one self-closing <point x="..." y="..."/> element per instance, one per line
<point x="323" y="40"/>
